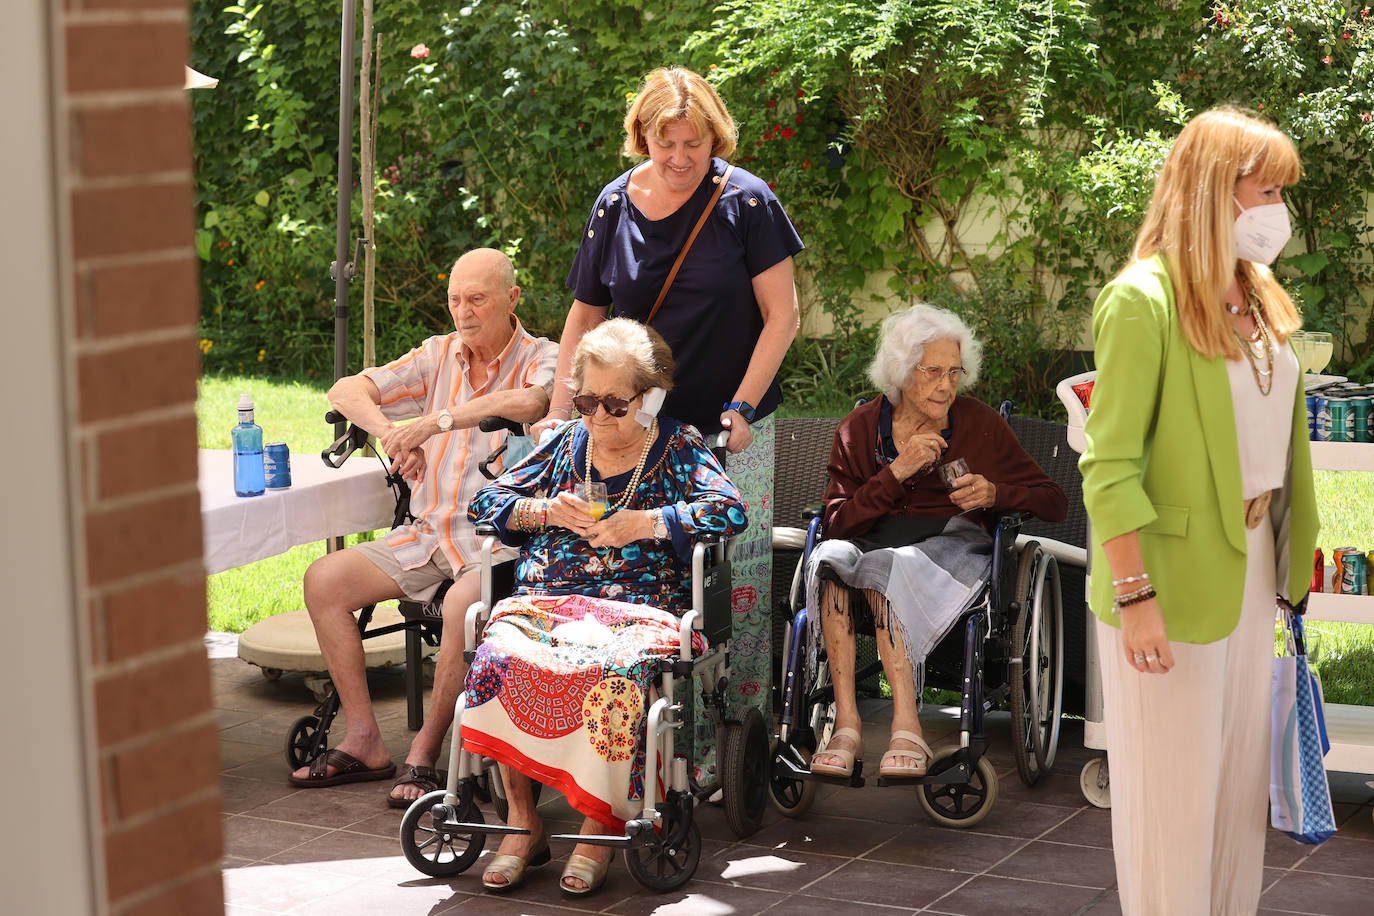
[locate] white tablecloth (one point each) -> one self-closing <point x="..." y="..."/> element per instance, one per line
<point x="321" y="503"/>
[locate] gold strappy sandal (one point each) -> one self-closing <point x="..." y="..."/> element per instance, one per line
<point x="512" y="868"/>
<point x="587" y="870"/>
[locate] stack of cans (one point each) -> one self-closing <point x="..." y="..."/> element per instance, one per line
<point x="1341" y="413"/>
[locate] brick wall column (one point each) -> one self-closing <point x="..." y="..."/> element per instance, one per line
<point x="127" y="306"/>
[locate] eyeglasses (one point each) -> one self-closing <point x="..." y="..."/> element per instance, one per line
<point x="935" y="373"/>
<point x="617" y="407"/>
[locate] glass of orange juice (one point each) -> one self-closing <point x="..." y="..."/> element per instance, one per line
<point x="594" y="492"/>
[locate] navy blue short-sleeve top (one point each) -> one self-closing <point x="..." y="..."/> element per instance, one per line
<point x="710" y="317"/>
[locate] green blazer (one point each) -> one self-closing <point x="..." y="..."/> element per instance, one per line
<point x="1162" y="459"/>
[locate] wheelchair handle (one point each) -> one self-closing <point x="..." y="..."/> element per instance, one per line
<point x="498" y="424"/>
<point x="354" y="438"/>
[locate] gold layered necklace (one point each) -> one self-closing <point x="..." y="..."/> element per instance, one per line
<point x="649" y="436"/>
<point x="1259" y="345"/>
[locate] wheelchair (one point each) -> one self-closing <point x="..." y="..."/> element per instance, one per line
<point x="443" y="833"/>
<point x="422" y="622"/>
<point x="1007" y="651"/>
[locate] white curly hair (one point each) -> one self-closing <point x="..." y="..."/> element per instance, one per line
<point x="902" y="345"/>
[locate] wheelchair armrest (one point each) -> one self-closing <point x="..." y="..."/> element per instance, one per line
<point x="812" y="511"/>
<point x="485" y="531"/>
<point x="498" y="424"/>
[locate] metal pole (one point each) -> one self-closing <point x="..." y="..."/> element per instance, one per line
<point x="343" y="272"/>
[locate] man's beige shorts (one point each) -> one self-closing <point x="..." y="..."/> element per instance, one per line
<point x="418" y="584"/>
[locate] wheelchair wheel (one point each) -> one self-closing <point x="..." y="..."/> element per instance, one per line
<point x="790" y="797"/>
<point x="432" y="848"/>
<point x="671" y="861"/>
<point x="1096" y="783"/>
<point x="1037" y="682"/>
<point x="960" y="805"/>
<point x="300" y="741"/>
<point x="746" y="774"/>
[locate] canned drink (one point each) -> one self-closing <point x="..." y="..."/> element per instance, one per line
<point x="1343" y="577"/>
<point x="1360" y="408"/>
<point x="1342" y="419"/>
<point x="1355" y="576"/>
<point x="1318" y="572"/>
<point x="277" y="464"/>
<point x="1318" y="418"/>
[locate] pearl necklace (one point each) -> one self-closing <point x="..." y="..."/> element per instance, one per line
<point x="649" y="437"/>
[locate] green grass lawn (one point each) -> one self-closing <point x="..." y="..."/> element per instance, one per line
<point x="293" y="412"/>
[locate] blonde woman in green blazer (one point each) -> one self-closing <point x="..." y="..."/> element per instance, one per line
<point x="1198" y="479"/>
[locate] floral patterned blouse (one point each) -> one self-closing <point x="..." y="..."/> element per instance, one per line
<point x="681" y="476"/>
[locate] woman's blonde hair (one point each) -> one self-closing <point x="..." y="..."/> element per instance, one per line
<point x="674" y="94"/>
<point x="622" y="343"/>
<point x="1192" y="217"/>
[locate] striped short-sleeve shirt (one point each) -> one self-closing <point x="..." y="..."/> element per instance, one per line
<point x="429" y="378"/>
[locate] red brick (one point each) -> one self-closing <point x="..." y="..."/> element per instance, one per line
<point x="139" y="377"/>
<point x="155" y="616"/>
<point x="140" y="457"/>
<point x="203" y="895"/>
<point x="133" y="4"/>
<point x="143" y="297"/>
<point x="132" y="139"/>
<point x="105" y="56"/>
<point x="152" y="854"/>
<point x="142" y="538"/>
<point x="131" y="219"/>
<point x="151" y="698"/>
<point x="172" y="767"/>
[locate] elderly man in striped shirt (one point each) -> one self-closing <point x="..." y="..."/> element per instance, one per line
<point x="489" y="366"/>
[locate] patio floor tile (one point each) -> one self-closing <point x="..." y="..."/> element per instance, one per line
<point x="1332" y="895"/>
<point x="259" y="839"/>
<point x="987" y="895"/>
<point x="883" y="884"/>
<point x="1341" y="856"/>
<point x="1088" y="827"/>
<point x="937" y="847"/>
<point x="836" y="836"/>
<point x="1087" y="866"/>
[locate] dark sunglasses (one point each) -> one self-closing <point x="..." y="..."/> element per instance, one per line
<point x="616" y="407"/>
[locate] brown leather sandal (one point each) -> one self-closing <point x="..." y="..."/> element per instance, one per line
<point x="427" y="778"/>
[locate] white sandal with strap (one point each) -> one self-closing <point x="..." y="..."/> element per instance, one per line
<point x="924" y="755"/>
<point x="846" y="769"/>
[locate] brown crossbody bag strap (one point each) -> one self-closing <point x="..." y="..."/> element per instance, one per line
<point x="687" y="246"/>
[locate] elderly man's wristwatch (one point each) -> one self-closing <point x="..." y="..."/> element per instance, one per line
<point x="445" y="420"/>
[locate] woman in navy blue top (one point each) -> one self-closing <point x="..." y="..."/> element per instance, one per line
<point x="729" y="317"/>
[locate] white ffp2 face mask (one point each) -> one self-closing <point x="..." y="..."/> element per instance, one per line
<point x="1261" y="232"/>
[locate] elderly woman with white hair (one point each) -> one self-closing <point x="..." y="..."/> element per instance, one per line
<point x="907" y="527"/>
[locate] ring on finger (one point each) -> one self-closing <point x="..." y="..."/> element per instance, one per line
<point x="1152" y="659"/>
<point x="1139" y="659"/>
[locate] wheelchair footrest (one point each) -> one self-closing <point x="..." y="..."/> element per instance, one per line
<point x="790" y="770"/>
<point x="498" y="829"/>
<point x="617" y="842"/>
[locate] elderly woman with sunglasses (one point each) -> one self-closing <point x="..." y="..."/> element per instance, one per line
<point x="556" y="690"/>
<point x="907" y="528"/>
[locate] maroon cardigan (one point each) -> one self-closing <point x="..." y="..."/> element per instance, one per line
<point x="860" y="492"/>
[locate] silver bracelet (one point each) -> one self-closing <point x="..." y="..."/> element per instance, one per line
<point x="1143" y="577"/>
<point x="660" y="524"/>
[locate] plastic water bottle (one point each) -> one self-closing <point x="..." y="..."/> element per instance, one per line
<point x="249" y="475"/>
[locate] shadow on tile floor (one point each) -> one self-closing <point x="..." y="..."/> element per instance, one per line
<point x="1041" y="850"/>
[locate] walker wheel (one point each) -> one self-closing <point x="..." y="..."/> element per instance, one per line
<point x="431" y="845"/>
<point x="1096" y="783"/>
<point x="672" y="858"/>
<point x="271" y="674"/>
<point x="300" y="742"/>
<point x="960" y="804"/>
<point x="790" y="797"/>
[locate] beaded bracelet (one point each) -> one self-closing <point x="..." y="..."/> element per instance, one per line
<point x="544" y="514"/>
<point x="1135" y="599"/>
<point x="1133" y="594"/>
<point x="1143" y="577"/>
